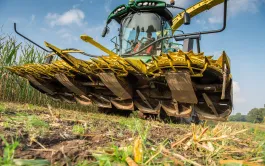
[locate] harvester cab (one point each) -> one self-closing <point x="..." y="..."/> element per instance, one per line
<point x="142" y="22"/>
<point x="150" y="72"/>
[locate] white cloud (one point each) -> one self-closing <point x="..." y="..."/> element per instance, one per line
<point x="237" y="6"/>
<point x="236" y="87"/>
<point x="107" y="5"/>
<point x="76" y="6"/>
<point x="234" y="8"/>
<point x="202" y="23"/>
<point x="97" y="30"/>
<point x="44" y="29"/>
<point x="215" y="19"/>
<point x="67" y="36"/>
<point x="73" y="16"/>
<point x="238" y="98"/>
<point x="33" y="17"/>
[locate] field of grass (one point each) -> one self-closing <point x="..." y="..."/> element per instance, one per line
<point x="36" y="135"/>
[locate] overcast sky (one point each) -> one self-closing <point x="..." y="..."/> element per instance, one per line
<point x="61" y="22"/>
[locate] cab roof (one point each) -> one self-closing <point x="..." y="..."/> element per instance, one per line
<point x="152" y="6"/>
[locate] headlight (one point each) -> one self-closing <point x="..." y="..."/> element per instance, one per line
<point x="119" y="10"/>
<point x="146" y="4"/>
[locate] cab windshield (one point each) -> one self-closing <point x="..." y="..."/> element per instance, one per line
<point x="139" y="30"/>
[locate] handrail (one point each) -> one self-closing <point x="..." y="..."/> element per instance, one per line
<point x="68" y="49"/>
<point x="15" y="28"/>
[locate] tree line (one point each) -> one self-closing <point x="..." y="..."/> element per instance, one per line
<point x="256" y="115"/>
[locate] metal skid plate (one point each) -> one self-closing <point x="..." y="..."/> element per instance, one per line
<point x="207" y="116"/>
<point x="83" y="100"/>
<point x="146" y="110"/>
<point x="119" y="88"/>
<point x="80" y="95"/>
<point x="176" y="109"/>
<point x="39" y="85"/>
<point x="123" y="104"/>
<point x="68" y="84"/>
<point x="100" y="102"/>
<point x="181" y="87"/>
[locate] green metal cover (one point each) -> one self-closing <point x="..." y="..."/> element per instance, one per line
<point x="134" y="5"/>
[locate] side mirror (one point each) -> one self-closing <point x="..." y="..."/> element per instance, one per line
<point x="105" y="31"/>
<point x="186" y="18"/>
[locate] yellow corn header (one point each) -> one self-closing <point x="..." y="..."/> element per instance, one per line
<point x="147" y="73"/>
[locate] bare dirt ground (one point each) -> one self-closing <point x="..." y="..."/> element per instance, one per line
<point x="65" y="137"/>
